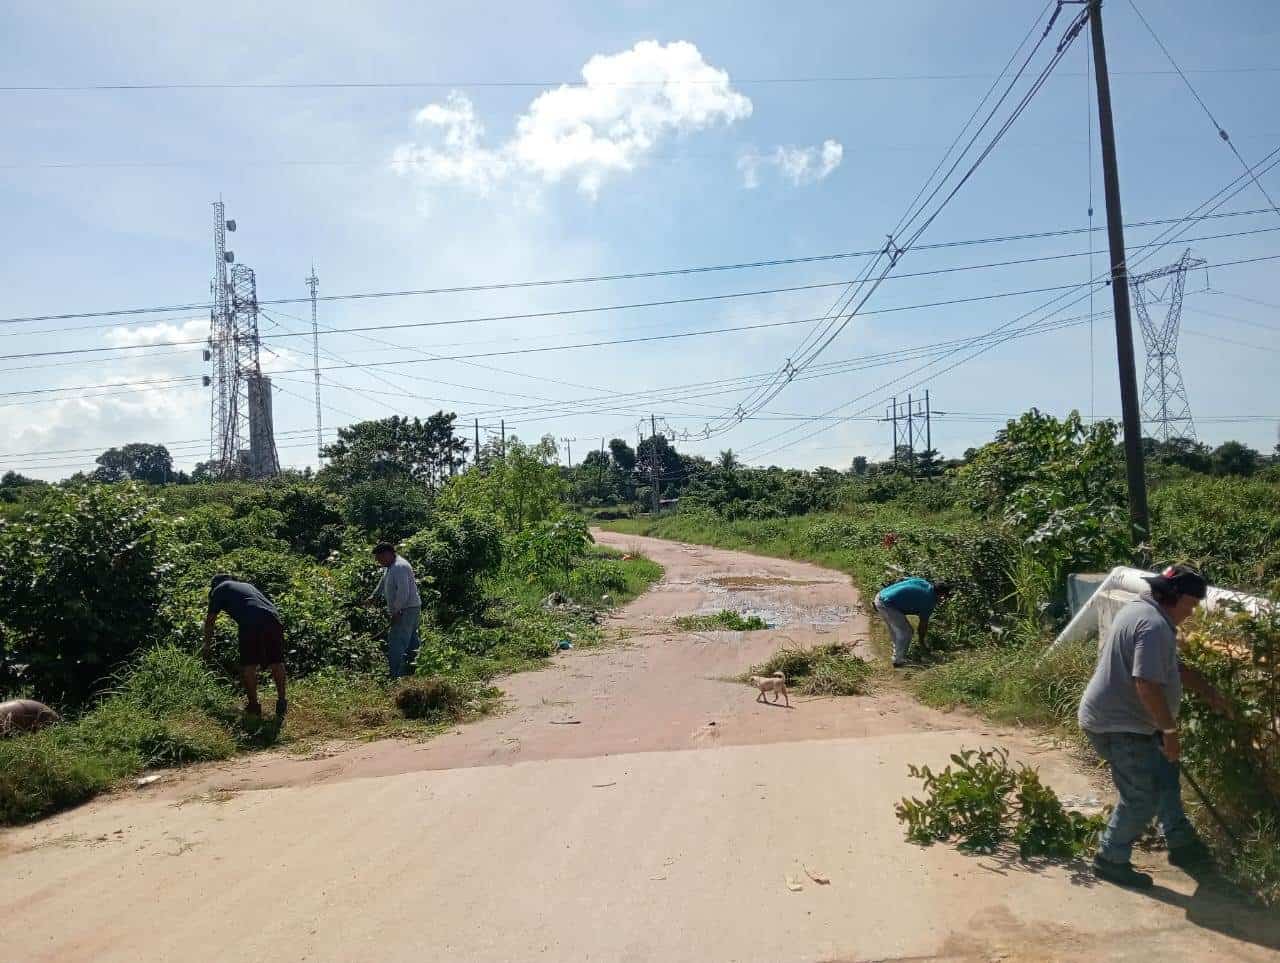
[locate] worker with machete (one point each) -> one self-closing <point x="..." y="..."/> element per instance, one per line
<point x="399" y="589"/>
<point x="1129" y="712"/>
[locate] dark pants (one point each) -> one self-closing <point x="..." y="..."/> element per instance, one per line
<point x="1149" y="786"/>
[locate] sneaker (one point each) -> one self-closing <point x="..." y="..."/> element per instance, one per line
<point x="1122" y="874"/>
<point x="282" y="706"/>
<point x="1192" y="856"/>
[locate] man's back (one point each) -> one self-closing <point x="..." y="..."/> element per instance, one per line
<point x="914" y="596"/>
<point x="1142" y="644"/>
<point x="244" y="603"/>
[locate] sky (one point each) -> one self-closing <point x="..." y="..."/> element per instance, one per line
<point x="450" y="145"/>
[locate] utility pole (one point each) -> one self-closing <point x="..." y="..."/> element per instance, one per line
<point x="568" y="448"/>
<point x="475" y="459"/>
<point x="313" y="283"/>
<point x="653" y="459"/>
<point x="1138" y="519"/>
<point x="911" y="437"/>
<point x="894" y="418"/>
<point x="928" y="423"/>
<point x="504" y="438"/>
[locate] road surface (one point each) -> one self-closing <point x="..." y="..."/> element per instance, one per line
<point x="632" y="805"/>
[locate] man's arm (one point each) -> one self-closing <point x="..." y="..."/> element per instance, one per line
<point x="208" y="632"/>
<point x="924" y="628"/>
<point x="1151" y="694"/>
<point x="378" y="592"/>
<point x="1194" y="680"/>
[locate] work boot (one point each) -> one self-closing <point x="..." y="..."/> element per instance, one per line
<point x="253" y="710"/>
<point x="1192" y="857"/>
<point x="1122" y="874"/>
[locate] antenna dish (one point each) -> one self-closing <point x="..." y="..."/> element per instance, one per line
<point x="231" y="224"/>
<point x="229" y="257"/>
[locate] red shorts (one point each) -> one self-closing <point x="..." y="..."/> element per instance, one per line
<point x="262" y="644"/>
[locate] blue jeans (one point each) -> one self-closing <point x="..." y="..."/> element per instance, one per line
<point x="403" y="641"/>
<point x="899" y="628"/>
<point x="1149" y="786"/>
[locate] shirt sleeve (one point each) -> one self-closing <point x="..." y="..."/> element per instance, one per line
<point x="215" y="606"/>
<point x="1150" y="653"/>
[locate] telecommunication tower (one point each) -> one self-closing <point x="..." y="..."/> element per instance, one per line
<point x="241" y="397"/>
<point x="313" y="283"/>
<point x="1164" y="395"/>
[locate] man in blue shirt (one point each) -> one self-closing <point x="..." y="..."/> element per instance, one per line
<point x="911" y="596"/>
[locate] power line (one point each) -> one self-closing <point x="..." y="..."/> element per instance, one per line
<point x="1222" y="133"/>
<point x="571" y="82"/>
<point x="635" y="275"/>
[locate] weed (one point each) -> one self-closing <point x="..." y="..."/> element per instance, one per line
<point x="971" y="803"/>
<point x="823" y="670"/>
<point x="725" y="620"/>
<point x="435" y="698"/>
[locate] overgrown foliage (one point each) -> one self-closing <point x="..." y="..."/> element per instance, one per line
<point x="982" y="803"/>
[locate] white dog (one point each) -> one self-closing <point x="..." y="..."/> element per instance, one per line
<point x="776" y="683"/>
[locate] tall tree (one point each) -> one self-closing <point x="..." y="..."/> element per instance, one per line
<point x="1234" y="458"/>
<point x="395" y="448"/>
<point x="623" y="456"/>
<point x="859" y="466"/>
<point x="728" y="460"/>
<point x="135" y="462"/>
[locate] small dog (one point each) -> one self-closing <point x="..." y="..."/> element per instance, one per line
<point x="776" y="683"/>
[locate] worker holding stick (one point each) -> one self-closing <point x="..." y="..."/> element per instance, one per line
<point x="1129" y="712"/>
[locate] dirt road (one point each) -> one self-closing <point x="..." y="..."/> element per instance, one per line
<point x="630" y="806"/>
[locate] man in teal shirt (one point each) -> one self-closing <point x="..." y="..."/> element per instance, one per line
<point x="911" y="596"/>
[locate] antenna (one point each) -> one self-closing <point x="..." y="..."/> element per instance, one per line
<point x="313" y="283"/>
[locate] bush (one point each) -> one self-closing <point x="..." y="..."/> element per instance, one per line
<point x="449" y="559"/>
<point x="42" y="773"/>
<point x="823" y="670"/>
<point x="390" y="509"/>
<point x="1229" y="528"/>
<point x="81" y="580"/>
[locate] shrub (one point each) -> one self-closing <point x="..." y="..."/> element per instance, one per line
<point x="1229" y="528"/>
<point x="41" y="773"/>
<point x="389" y="509"/>
<point x="449" y="559"/>
<point x="81" y="579"/>
<point x="548" y="548"/>
<point x="971" y="804"/>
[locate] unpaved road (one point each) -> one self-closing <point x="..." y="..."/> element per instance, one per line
<point x="630" y="806"/>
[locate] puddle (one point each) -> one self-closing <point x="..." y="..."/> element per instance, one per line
<point x="746" y="583"/>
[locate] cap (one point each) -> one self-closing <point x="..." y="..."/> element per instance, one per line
<point x="1182" y="579"/>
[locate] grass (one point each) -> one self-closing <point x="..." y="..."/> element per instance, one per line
<point x="823" y="670"/>
<point x="725" y="620"/>
<point x="169" y="709"/>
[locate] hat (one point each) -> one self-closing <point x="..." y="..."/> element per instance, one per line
<point x="1180" y="579"/>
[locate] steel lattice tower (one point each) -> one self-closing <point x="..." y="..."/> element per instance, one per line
<point x="1164" y="395"/>
<point x="241" y="399"/>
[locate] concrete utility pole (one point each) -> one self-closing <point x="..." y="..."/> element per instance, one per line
<point x="653" y="459"/>
<point x="313" y="283"/>
<point x="475" y="458"/>
<point x="1139" y="522"/>
<point x="504" y="438"/>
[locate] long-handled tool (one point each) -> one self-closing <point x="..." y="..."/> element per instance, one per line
<point x="1213" y="811"/>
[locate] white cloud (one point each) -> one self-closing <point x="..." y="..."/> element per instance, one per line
<point x="160" y="331"/>
<point x="628" y="104"/>
<point x="799" y="165"/>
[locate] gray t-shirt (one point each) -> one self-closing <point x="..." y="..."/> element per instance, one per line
<point x="1142" y="644"/>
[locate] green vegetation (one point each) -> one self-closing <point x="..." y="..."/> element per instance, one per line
<point x="725" y="620"/>
<point x="823" y="670"/>
<point x="982" y="803"/>
<point x="104" y="587"/>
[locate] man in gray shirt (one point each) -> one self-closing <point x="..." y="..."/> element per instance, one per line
<point x="399" y="589"/>
<point x="1129" y="713"/>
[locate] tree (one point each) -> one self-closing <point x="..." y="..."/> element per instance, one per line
<point x="519" y="490"/>
<point x="135" y="462"/>
<point x="395" y="448"/>
<point x="11" y="485"/>
<point x="859" y="466"/>
<point x="671" y="471"/>
<point x="1234" y="458"/>
<point x="927" y="464"/>
<point x="728" y="460"/>
<point x="623" y="456"/>
<point x="1185" y="452"/>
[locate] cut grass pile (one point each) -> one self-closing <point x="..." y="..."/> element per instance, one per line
<point x="725" y="620"/>
<point x="823" y="670"/>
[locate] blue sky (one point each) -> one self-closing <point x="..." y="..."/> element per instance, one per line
<point x="106" y="200"/>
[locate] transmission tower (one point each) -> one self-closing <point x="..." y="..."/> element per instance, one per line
<point x="915" y="438"/>
<point x="1164" y="396"/>
<point x="313" y="283"/>
<point x="241" y="398"/>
